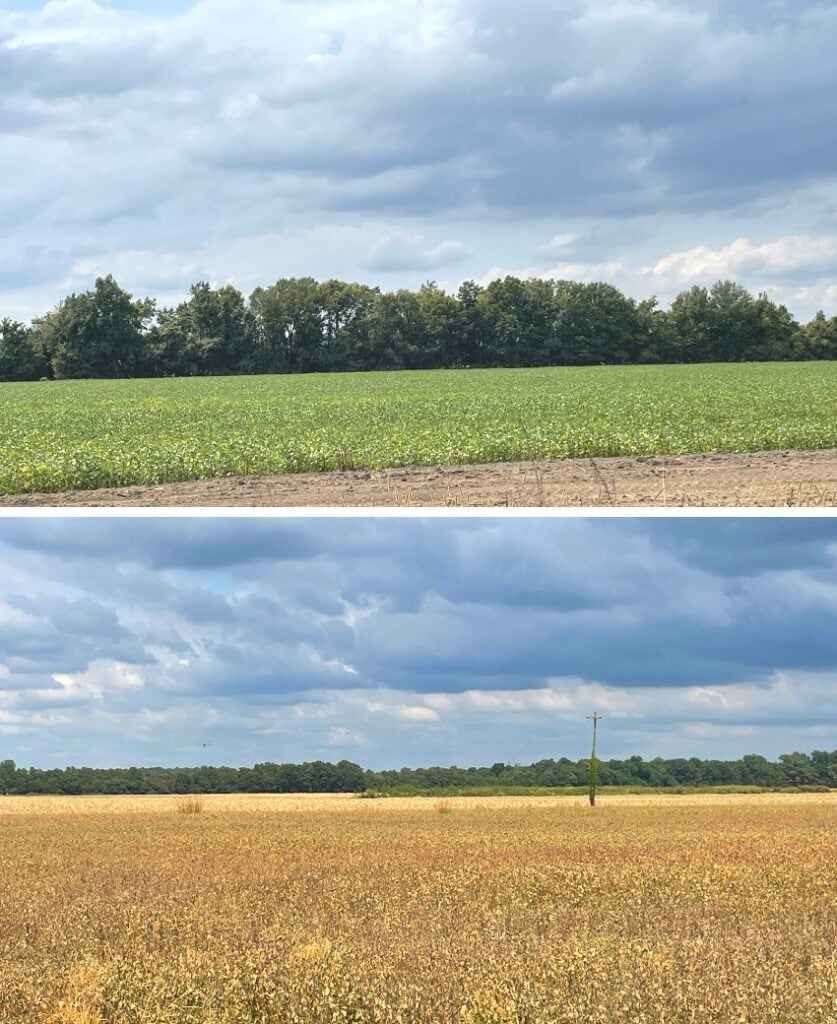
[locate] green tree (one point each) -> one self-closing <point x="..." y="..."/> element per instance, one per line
<point x="299" y="325"/>
<point x="100" y="333"/>
<point x="798" y="769"/>
<point x="775" y="333"/>
<point x="652" y="343"/>
<point x="690" y="327"/>
<point x="223" y="328"/>
<point x="392" y="336"/>
<point x="518" y="315"/>
<point x="732" y="321"/>
<point x="726" y="324"/>
<point x="18" y="360"/>
<point x="439" y="313"/>
<point x="211" y="333"/>
<point x="818" y="338"/>
<point x="593" y="324"/>
<point x="8" y="770"/>
<point x="350" y="777"/>
<point x="473" y="331"/>
<point x="289" y="325"/>
<point x="342" y="309"/>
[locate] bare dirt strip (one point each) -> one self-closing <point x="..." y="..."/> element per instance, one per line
<point x="768" y="479"/>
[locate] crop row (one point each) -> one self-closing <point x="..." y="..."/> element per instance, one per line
<point x="78" y="435"/>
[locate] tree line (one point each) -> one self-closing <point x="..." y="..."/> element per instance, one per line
<point x="300" y="325"/>
<point x="790" y="770"/>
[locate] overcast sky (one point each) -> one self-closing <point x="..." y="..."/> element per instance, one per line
<point x="652" y="144"/>
<point x="415" y="642"/>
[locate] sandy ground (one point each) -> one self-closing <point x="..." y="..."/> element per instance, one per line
<point x="771" y="479"/>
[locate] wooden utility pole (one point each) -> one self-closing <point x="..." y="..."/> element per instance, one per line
<point x="595" y="718"/>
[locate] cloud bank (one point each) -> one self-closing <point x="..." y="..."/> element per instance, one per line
<point x="414" y="642"/>
<point x="244" y="140"/>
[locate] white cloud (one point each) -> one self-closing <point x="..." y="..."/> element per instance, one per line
<point x="15" y="724"/>
<point x="337" y="664"/>
<point x="157" y="270"/>
<point x="428" y="641"/>
<point x="14" y="618"/>
<point x="411" y="252"/>
<point x="341" y="737"/>
<point x="570" y="699"/>
<point x="65" y="21"/>
<point x="99" y="680"/>
<point x="611" y="271"/>
<point x="166" y="143"/>
<point x="558" y="244"/>
<point x="745" y="259"/>
<point x="714" y="731"/>
<point x="10" y="724"/>
<point x="415" y="713"/>
<point x="708" y="697"/>
<point x="772" y="266"/>
<point x="819" y="296"/>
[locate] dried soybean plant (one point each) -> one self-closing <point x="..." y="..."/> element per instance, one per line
<point x="330" y="910"/>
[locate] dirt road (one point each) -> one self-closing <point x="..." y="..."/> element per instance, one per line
<point x="778" y="479"/>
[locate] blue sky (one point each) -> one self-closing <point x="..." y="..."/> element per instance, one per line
<point x="418" y="641"/>
<point x="650" y="143"/>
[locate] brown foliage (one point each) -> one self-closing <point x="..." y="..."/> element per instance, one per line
<point x="694" y="910"/>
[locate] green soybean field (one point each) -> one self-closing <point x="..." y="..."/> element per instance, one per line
<point x="79" y="435"/>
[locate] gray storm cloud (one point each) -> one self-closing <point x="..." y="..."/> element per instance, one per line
<point x="475" y="637"/>
<point x="247" y="140"/>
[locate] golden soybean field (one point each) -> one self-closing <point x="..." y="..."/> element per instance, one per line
<point x="646" y="910"/>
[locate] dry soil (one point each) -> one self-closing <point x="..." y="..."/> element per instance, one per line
<point x="771" y="479"/>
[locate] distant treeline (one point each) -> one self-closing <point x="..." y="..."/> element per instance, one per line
<point x="791" y="770"/>
<point x="300" y="325"/>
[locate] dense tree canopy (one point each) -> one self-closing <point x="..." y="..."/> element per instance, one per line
<point x="300" y="325"/>
<point x="816" y="769"/>
<point x="100" y="333"/>
<point x="18" y="359"/>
